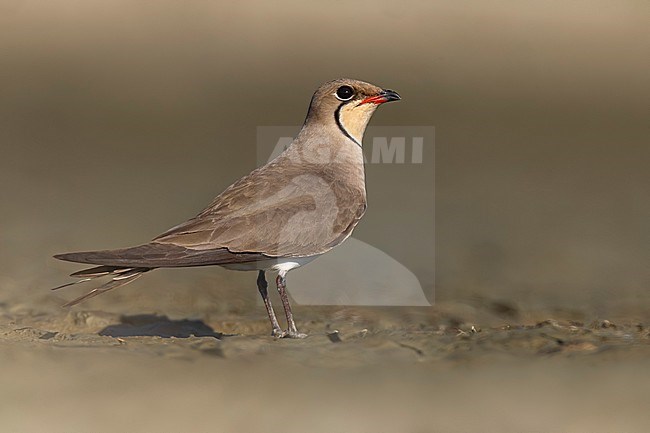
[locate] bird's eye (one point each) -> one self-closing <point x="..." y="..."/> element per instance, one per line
<point x="345" y="93"/>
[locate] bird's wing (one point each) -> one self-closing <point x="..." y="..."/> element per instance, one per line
<point x="278" y="211"/>
<point x="155" y="255"/>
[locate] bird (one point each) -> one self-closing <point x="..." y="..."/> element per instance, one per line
<point x="281" y="216"/>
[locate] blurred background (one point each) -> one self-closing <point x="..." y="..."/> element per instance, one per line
<point x="119" y="119"/>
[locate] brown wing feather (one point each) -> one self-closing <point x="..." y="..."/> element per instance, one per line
<point x="284" y="209"/>
<point x="155" y="255"/>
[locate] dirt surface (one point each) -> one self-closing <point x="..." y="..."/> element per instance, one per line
<point x="448" y="368"/>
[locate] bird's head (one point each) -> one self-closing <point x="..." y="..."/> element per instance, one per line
<point x="347" y="105"/>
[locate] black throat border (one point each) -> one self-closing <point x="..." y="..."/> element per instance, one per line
<point x="337" y="115"/>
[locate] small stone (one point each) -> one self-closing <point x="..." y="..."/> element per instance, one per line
<point x="607" y="324"/>
<point x="334" y="336"/>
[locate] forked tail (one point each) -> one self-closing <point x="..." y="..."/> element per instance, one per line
<point x="119" y="277"/>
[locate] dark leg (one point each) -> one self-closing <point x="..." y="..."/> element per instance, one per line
<point x="281" y="282"/>
<point x="262" y="285"/>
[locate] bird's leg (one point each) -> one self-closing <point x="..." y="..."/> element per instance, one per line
<point x="262" y="285"/>
<point x="281" y="282"/>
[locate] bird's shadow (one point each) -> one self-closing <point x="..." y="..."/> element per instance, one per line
<point x="153" y="325"/>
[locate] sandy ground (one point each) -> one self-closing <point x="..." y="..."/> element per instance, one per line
<point x="448" y="368"/>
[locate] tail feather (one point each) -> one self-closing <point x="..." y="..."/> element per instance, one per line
<point x="116" y="282"/>
<point x="83" y="280"/>
<point x="120" y="277"/>
<point x="92" y="273"/>
<point x="98" y="271"/>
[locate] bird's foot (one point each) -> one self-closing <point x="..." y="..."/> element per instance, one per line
<point x="278" y="333"/>
<point x="292" y="333"/>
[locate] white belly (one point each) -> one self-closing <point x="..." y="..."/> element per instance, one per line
<point x="280" y="265"/>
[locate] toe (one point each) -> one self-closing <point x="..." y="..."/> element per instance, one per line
<point x="278" y="333"/>
<point x="298" y="335"/>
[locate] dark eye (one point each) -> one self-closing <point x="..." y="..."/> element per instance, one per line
<point x="345" y="93"/>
